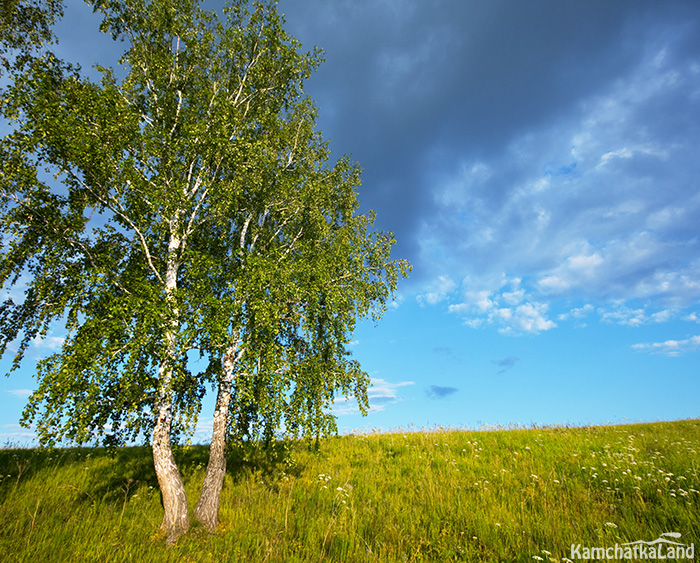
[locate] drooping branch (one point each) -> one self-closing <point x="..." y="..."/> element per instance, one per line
<point x="117" y="208"/>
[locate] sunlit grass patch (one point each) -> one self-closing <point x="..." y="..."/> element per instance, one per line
<point x="444" y="495"/>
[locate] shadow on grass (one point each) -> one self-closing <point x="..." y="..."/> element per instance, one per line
<point x="121" y="472"/>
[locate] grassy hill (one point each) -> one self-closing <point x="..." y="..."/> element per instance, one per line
<point x="505" y="495"/>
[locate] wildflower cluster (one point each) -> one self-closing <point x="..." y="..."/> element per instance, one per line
<point x="343" y="493"/>
<point x="548" y="556"/>
<point x="324" y="478"/>
<point x="627" y="470"/>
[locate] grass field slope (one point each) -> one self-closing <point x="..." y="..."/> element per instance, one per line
<point x="538" y="494"/>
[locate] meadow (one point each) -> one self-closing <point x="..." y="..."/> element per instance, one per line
<point x="438" y="495"/>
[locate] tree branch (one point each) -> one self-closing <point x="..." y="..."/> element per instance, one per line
<point x="121" y="213"/>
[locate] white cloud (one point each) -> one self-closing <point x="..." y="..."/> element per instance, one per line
<point x="577" y="313"/>
<point x="514" y="297"/>
<point x="626" y="316"/>
<point x="671" y="347"/>
<point x="437" y="291"/>
<point x="576" y="271"/>
<point x="203" y="430"/>
<point x="627" y="153"/>
<point x="667" y="217"/>
<point x="598" y="206"/>
<point x="48" y="342"/>
<point x="23" y="393"/>
<point x="507" y="305"/>
<point x="619" y="153"/>
<point x="555" y="284"/>
<point x="528" y="317"/>
<point x="380" y="394"/>
<point x="382" y="389"/>
<point x="662" y="316"/>
<point x="692" y="317"/>
<point x="397" y="301"/>
<point x="585" y="264"/>
<point x="343" y="406"/>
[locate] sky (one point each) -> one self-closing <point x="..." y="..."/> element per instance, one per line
<point x="539" y="165"/>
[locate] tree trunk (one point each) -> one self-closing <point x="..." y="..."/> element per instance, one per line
<point x="176" y="520"/>
<point x="207" y="511"/>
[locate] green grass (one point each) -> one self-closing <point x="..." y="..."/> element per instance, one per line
<point x="444" y="495"/>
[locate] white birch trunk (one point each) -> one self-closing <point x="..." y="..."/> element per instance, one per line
<point x="207" y="511"/>
<point x="176" y="519"/>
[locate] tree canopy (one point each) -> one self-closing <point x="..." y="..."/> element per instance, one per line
<point x="25" y="25"/>
<point x="184" y="207"/>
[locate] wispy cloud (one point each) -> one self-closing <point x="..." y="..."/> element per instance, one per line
<point x="628" y="316"/>
<point x="381" y="394"/>
<point x="23" y="393"/>
<point x="578" y="314"/>
<point x="506" y="363"/>
<point x="671" y="347"/>
<point x="446" y="353"/>
<point x="440" y="392"/>
<point x="203" y="430"/>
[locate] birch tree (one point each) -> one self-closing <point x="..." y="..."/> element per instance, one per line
<point x="193" y="210"/>
<point x="25" y="25"/>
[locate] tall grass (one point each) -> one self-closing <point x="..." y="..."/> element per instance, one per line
<point x="443" y="495"/>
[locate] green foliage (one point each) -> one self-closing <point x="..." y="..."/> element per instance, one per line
<point x="25" y="25"/>
<point x="442" y="495"/>
<point x="188" y="206"/>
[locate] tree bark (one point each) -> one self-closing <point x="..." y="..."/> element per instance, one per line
<point x="175" y="520"/>
<point x="207" y="511"/>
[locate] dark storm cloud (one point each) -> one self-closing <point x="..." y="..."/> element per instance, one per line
<point x="412" y="87"/>
<point x="524" y="154"/>
<point x="440" y="392"/>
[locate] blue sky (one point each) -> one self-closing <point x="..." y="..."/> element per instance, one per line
<point x="539" y="165"/>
